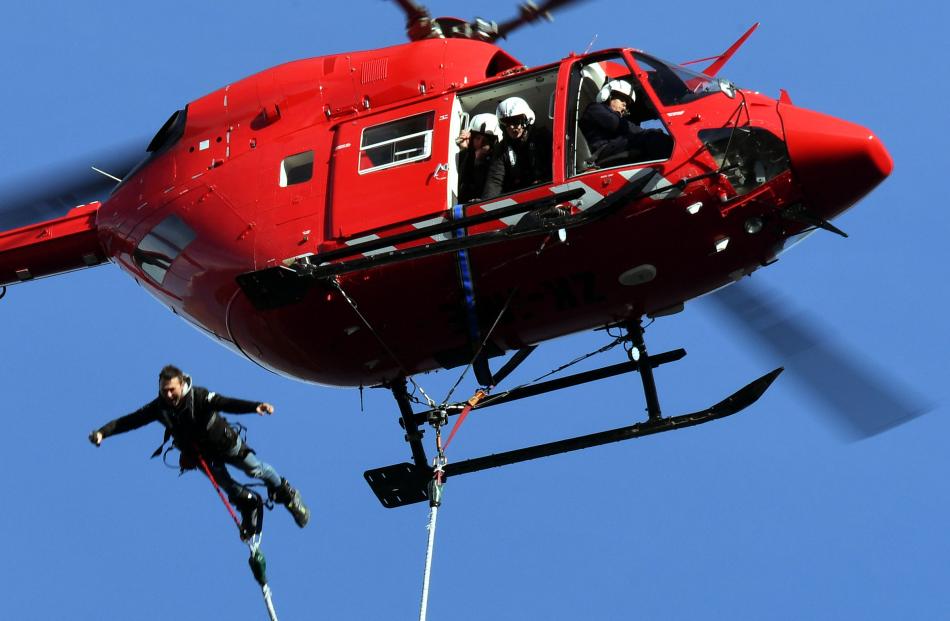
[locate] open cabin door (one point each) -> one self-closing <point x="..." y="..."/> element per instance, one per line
<point x="391" y="167"/>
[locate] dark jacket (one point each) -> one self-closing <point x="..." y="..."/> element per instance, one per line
<point x="610" y="135"/>
<point x="472" y="175"/>
<point x="518" y="164"/>
<point x="600" y="125"/>
<point x="195" y="423"/>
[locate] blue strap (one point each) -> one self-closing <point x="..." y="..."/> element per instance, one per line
<point x="465" y="278"/>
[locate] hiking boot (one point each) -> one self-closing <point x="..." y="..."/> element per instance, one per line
<point x="252" y="513"/>
<point x="290" y="498"/>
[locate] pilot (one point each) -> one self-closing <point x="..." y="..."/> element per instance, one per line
<point x="611" y="135"/>
<point x="477" y="144"/>
<point x="524" y="158"/>
<point x="191" y="418"/>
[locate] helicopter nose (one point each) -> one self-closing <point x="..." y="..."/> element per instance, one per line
<point x="837" y="162"/>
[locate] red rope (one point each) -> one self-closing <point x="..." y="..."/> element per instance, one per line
<point x="478" y="396"/>
<point x="217" y="488"/>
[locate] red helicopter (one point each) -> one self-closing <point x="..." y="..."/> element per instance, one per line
<point x="286" y="215"/>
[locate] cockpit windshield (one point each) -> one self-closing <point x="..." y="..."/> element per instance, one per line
<point x="675" y="84"/>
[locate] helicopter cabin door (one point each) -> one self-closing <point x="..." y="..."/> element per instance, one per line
<point x="391" y="167"/>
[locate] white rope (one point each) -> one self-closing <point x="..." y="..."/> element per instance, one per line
<point x="254" y="545"/>
<point x="433" y="516"/>
<point x="435" y="501"/>
<point x="255" y="541"/>
<point x="268" y="602"/>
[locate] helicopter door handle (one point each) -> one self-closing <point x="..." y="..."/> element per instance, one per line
<point x="441" y="169"/>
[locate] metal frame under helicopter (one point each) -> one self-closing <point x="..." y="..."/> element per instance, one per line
<point x="407" y="483"/>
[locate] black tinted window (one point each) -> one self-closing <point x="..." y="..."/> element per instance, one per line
<point x="159" y="249"/>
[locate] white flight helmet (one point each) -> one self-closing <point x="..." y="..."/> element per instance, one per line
<point x="514" y="106"/>
<point x="486" y="123"/>
<point x="622" y="87"/>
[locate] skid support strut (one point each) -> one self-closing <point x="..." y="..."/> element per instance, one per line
<point x="639" y="355"/>
<point x="413" y="432"/>
<point x="406" y="483"/>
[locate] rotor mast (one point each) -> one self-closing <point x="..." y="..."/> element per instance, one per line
<point x="421" y="25"/>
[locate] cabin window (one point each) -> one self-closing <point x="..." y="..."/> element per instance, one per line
<point x="296" y="169"/>
<point x="537" y="90"/>
<point x="161" y="246"/>
<point x="396" y="143"/>
<point x="595" y="141"/>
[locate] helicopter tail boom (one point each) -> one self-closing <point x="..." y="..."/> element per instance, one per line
<point x="55" y="246"/>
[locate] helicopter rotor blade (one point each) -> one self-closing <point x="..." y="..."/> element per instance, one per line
<point x="413" y="11"/>
<point x="531" y="12"/>
<point x="857" y="399"/>
<point x="419" y="22"/>
<point x="59" y="188"/>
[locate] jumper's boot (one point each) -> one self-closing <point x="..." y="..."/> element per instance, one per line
<point x="252" y="513"/>
<point x="289" y="497"/>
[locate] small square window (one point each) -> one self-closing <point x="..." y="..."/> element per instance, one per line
<point x="296" y="169"/>
<point x="398" y="142"/>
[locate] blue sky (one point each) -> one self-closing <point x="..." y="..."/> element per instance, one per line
<point x="764" y="515"/>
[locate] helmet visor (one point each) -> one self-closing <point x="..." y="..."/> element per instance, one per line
<point x="515" y="121"/>
<point x="625" y="98"/>
<point x="486" y="138"/>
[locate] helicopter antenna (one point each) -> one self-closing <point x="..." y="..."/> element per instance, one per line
<point x="105" y="174"/>
<point x="591" y="44"/>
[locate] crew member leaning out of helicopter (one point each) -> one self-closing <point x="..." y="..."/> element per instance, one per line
<point x="612" y="136"/>
<point x="191" y="418"/>
<point x="477" y="144"/>
<point x="523" y="159"/>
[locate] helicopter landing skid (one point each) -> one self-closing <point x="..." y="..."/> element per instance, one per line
<point x="406" y="483"/>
